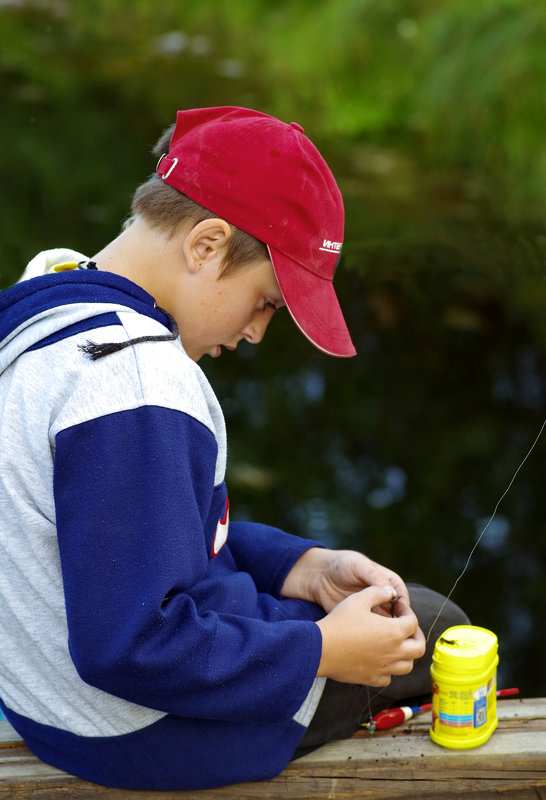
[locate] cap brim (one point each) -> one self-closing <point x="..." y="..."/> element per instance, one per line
<point x="313" y="305"/>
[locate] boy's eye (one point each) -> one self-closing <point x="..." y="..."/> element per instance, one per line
<point x="269" y="304"/>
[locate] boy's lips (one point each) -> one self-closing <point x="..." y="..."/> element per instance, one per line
<point x="217" y="352"/>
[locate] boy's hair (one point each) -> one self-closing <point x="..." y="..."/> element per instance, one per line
<point x="166" y="208"/>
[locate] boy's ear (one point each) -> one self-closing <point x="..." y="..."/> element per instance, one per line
<point x="206" y="242"/>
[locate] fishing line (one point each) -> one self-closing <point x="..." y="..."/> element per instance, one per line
<point x="480" y="537"/>
<point x="367" y="708"/>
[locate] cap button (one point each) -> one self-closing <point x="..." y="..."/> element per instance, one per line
<point x="296" y="126"/>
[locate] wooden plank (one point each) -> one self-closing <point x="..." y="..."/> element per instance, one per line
<point x="9" y="737"/>
<point x="402" y="763"/>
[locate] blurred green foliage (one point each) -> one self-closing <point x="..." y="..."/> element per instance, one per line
<point x="458" y="85"/>
<point x="432" y="116"/>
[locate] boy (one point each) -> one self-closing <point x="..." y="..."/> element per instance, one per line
<point x="147" y="643"/>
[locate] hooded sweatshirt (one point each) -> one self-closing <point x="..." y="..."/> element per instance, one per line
<point x="144" y="640"/>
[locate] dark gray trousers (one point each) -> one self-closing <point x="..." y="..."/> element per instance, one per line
<point x="344" y="706"/>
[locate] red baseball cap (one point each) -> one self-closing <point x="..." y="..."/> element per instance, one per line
<point x="267" y="178"/>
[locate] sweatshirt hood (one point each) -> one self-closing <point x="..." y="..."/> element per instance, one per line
<point x="55" y="260"/>
<point x="40" y="305"/>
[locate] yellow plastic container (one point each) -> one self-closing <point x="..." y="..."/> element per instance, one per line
<point x="464" y="687"/>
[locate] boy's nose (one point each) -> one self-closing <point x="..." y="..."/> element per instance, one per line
<point x="255" y="331"/>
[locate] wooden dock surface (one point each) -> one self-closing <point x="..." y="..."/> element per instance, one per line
<point x="401" y="763"/>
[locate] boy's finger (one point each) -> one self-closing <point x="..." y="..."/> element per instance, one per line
<point x="402" y="667"/>
<point x="402" y="609"/>
<point x="401" y="589"/>
<point x="378" y="595"/>
<point x="407" y="622"/>
<point x="415" y="645"/>
<point x="419" y="638"/>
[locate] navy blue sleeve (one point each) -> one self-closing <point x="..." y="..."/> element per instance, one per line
<point x="136" y="509"/>
<point x="266" y="553"/>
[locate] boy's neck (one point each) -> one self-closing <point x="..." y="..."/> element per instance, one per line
<point x="123" y="255"/>
<point x="134" y="255"/>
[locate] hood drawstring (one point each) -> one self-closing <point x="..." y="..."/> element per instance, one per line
<point x="95" y="351"/>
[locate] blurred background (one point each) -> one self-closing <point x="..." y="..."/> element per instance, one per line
<point x="431" y="116"/>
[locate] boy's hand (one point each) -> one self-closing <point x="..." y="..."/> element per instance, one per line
<point x="361" y="646"/>
<point x="327" y="577"/>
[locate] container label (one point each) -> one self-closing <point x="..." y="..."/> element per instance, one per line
<point x="456" y="720"/>
<point x="464" y="708"/>
<point x="480" y="712"/>
<point x="455" y="708"/>
<point x="480" y="705"/>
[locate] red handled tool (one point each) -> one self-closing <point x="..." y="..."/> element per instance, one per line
<point x="394" y="716"/>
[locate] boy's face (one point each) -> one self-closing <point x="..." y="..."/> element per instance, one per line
<point x="223" y="311"/>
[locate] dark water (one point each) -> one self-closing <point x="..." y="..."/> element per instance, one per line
<point x="402" y="452"/>
<point x="405" y="451"/>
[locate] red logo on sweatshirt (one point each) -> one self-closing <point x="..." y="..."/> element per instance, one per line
<point x="220" y="537"/>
